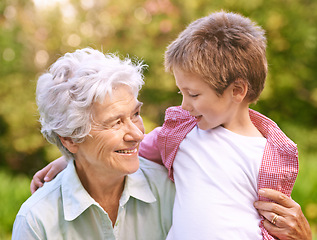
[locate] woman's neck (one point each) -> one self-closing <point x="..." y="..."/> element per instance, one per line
<point x="106" y="190"/>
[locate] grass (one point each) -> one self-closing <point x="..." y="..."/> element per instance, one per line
<point x="305" y="189"/>
<point x="14" y="190"/>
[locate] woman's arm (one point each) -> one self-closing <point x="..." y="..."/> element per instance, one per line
<point x="284" y="219"/>
<point x="47" y="173"/>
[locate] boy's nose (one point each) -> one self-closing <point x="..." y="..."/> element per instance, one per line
<point x="185" y="105"/>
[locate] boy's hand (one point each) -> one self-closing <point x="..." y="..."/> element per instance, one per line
<point x="47" y="173"/>
<point x="284" y="219"/>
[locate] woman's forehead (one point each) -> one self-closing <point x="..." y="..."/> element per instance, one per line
<point x="121" y="102"/>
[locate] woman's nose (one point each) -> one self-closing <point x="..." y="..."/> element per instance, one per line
<point x="135" y="132"/>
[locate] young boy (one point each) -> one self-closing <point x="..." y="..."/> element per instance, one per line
<point x="217" y="150"/>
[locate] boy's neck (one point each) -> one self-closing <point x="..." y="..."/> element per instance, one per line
<point x="241" y="123"/>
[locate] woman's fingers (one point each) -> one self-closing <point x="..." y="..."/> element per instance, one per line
<point x="271" y="208"/>
<point x="273" y="218"/>
<point x="284" y="218"/>
<point x="277" y="197"/>
<point x="276" y="231"/>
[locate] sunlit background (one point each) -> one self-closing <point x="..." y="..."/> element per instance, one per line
<point x="34" y="34"/>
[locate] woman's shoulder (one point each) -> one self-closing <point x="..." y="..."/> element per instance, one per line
<point x="41" y="200"/>
<point x="156" y="175"/>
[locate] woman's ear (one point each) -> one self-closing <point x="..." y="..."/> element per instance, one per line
<point x="69" y="144"/>
<point x="240" y="89"/>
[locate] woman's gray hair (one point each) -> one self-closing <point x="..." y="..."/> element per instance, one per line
<point x="66" y="93"/>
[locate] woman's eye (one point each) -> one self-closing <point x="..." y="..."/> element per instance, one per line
<point x="193" y="95"/>
<point x="136" y="116"/>
<point x="118" y="122"/>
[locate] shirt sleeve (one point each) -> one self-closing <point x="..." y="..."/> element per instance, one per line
<point x="23" y="230"/>
<point x="149" y="148"/>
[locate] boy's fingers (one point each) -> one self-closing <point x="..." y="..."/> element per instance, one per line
<point x="35" y="184"/>
<point x="52" y="172"/>
<point x="47" y="173"/>
<point x="39" y="178"/>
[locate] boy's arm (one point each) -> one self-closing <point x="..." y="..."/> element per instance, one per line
<point x="47" y="173"/>
<point x="148" y="147"/>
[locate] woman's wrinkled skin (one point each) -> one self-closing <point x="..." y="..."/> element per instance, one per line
<point x="290" y="224"/>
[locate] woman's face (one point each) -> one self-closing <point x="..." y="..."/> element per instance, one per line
<point x="117" y="130"/>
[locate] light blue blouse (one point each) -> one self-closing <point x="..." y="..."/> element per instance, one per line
<point x="63" y="209"/>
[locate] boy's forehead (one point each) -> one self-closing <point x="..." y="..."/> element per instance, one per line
<point x="186" y="78"/>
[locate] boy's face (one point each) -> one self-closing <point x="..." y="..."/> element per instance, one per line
<point x="202" y="102"/>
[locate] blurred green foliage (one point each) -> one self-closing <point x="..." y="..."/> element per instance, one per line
<point x="14" y="190"/>
<point x="33" y="34"/>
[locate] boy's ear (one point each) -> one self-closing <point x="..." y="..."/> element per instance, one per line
<point x="69" y="144"/>
<point x="240" y="89"/>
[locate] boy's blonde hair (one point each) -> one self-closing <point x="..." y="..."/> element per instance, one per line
<point x="221" y="48"/>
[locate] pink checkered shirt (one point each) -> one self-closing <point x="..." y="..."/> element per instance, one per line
<point x="279" y="165"/>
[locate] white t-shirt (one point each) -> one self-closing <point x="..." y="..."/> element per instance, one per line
<point x="216" y="176"/>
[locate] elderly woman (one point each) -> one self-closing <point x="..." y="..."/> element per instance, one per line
<point x="89" y="109"/>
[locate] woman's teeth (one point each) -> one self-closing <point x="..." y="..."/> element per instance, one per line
<point x="126" y="151"/>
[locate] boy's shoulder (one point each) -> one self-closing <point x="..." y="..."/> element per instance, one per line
<point x="177" y="112"/>
<point x="273" y="133"/>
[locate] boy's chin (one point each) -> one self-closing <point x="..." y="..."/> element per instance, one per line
<point x="203" y="126"/>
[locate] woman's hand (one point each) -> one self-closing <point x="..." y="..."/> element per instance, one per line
<point x="284" y="219"/>
<point x="47" y="173"/>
